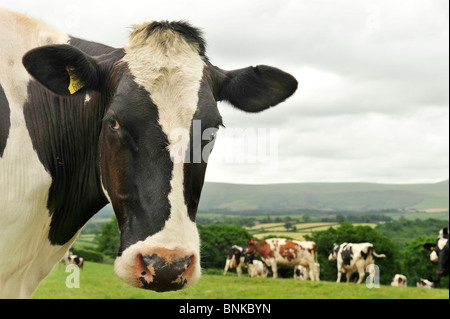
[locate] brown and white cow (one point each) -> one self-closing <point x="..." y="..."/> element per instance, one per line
<point x="287" y="252"/>
<point x="83" y="124"/>
<point x="353" y="258"/>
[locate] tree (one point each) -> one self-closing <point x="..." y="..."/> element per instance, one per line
<point x="340" y="218"/>
<point x="306" y="218"/>
<point x="216" y="240"/>
<point x="288" y="225"/>
<point x="109" y="238"/>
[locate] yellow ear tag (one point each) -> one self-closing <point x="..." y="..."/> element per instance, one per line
<point x="75" y="82"/>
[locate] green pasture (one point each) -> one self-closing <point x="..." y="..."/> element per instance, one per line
<point x="97" y="281"/>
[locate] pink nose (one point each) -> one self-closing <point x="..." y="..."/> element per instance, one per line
<point x="163" y="270"/>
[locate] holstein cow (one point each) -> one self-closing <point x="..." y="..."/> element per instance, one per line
<point x="425" y="283"/>
<point x="256" y="268"/>
<point x="83" y="124"/>
<point x="287" y="252"/>
<point x="304" y="273"/>
<point x="236" y="259"/>
<point x="439" y="252"/>
<point x="76" y="260"/>
<point x="353" y="258"/>
<point x="399" y="281"/>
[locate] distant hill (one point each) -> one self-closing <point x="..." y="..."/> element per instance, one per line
<point x="321" y="196"/>
<point x="326" y="196"/>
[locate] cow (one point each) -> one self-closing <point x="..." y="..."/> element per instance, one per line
<point x="256" y="268"/>
<point x="76" y="260"/>
<point x="83" y="124"/>
<point x="439" y="252"/>
<point x="353" y="258"/>
<point x="399" y="281"/>
<point x="304" y="273"/>
<point x="287" y="252"/>
<point x="425" y="283"/>
<point x="236" y="259"/>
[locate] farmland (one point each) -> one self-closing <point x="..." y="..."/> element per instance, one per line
<point x="97" y="281"/>
<point x="279" y="229"/>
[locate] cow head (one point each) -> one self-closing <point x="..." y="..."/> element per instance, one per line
<point x="334" y="251"/>
<point x="439" y="252"/>
<point x="151" y="160"/>
<point x="251" y="246"/>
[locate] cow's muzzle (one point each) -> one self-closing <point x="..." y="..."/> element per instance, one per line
<point x="164" y="270"/>
<point x="158" y="269"/>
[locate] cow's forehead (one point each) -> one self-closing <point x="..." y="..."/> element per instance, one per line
<point x="170" y="69"/>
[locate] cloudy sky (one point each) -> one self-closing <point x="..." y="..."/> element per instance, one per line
<point x="373" y="97"/>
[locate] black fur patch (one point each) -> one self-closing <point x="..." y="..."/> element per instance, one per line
<point x="5" y="121"/>
<point x="347" y="255"/>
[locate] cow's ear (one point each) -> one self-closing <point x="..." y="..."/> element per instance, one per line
<point x="62" y="69"/>
<point x="253" y="89"/>
<point x="429" y="246"/>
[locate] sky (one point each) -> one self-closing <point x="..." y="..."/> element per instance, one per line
<point x="373" y="97"/>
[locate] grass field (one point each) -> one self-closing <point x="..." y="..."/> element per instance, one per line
<point x="97" y="281"/>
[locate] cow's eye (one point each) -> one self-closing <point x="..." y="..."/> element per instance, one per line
<point x="113" y="124"/>
<point x="212" y="137"/>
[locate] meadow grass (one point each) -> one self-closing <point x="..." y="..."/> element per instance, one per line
<point x="97" y="281"/>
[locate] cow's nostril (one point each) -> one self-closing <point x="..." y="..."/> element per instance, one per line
<point x="163" y="273"/>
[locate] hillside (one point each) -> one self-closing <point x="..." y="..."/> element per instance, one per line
<point x="326" y="196"/>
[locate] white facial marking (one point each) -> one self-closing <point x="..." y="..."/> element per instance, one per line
<point x="170" y="69"/>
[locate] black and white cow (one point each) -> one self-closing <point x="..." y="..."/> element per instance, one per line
<point x="399" y="280"/>
<point x="83" y="124"/>
<point x="425" y="283"/>
<point x="237" y="258"/>
<point x="439" y="252"/>
<point x="353" y="258"/>
<point x="76" y="260"/>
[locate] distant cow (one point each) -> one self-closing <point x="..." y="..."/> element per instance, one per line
<point x="425" y="283"/>
<point x="399" y="281"/>
<point x="76" y="260"/>
<point x="236" y="259"/>
<point x="353" y="257"/>
<point x="439" y="252"/>
<point x="287" y="252"/>
<point x="304" y="273"/>
<point x="256" y="268"/>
